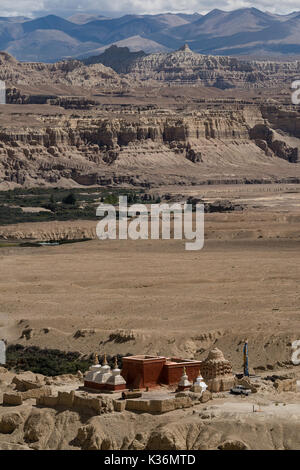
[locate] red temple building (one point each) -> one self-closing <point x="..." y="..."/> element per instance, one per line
<point x="141" y="372"/>
<point x="151" y="371"/>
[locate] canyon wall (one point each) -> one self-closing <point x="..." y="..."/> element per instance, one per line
<point x="153" y="148"/>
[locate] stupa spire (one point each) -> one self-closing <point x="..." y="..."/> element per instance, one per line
<point x="96" y="359"/>
<point x="104" y="360"/>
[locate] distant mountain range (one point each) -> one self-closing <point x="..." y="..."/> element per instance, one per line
<point x="246" y="31"/>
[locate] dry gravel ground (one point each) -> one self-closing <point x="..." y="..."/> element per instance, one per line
<point x="155" y="297"/>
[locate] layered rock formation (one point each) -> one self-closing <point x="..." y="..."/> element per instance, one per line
<point x="179" y="67"/>
<point x="265" y="139"/>
<point x="152" y="148"/>
<point x="185" y="66"/>
<point x="225" y="140"/>
<point x="69" y="73"/>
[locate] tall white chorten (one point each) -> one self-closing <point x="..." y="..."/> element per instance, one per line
<point x="199" y="385"/>
<point x="116" y="381"/>
<point x="184" y="383"/>
<point x="104" y="374"/>
<point x="93" y="370"/>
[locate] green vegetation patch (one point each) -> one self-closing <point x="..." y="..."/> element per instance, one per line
<point x="61" y="204"/>
<point x="51" y="362"/>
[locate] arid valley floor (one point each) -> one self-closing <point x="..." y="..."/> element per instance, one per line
<point x="165" y="300"/>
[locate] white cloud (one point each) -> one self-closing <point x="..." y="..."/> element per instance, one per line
<point x="32" y="7"/>
<point x="20" y="7"/>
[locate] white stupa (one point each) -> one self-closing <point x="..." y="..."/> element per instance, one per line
<point x="184" y="383"/>
<point x="199" y="385"/>
<point x="116" y="379"/>
<point x="104" y="374"/>
<point x="93" y="370"/>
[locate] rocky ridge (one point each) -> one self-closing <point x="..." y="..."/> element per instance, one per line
<point x="143" y="145"/>
<point x="68" y="73"/>
<point x="186" y="66"/>
<point x="150" y="148"/>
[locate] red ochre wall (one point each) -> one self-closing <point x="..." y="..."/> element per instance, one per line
<point x="172" y="373"/>
<point x="140" y="373"/>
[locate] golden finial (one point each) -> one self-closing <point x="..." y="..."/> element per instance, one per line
<point x="184" y="371"/>
<point x="104" y="360"/>
<point x="199" y="373"/>
<point x="116" y="363"/>
<point x="96" y="359"/>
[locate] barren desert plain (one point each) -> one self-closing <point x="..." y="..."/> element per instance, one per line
<point x="162" y="298"/>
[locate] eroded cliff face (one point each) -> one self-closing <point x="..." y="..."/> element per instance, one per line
<point x="179" y="67"/>
<point x="141" y="150"/>
<point x="287" y="120"/>
<point x="206" y="429"/>
<point x="70" y="73"/>
<point x="192" y="143"/>
<point x="185" y="66"/>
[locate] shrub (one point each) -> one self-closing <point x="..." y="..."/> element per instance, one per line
<point x="70" y="199"/>
<point x="49" y="362"/>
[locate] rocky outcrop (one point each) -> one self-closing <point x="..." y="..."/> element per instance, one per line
<point x="285" y="119"/>
<point x="117" y="58"/>
<point x="154" y="148"/>
<point x="286" y="385"/>
<point x="12" y="399"/>
<point x="48" y="429"/>
<point x="264" y="138"/>
<point x="82" y="403"/>
<point x="72" y="73"/>
<point x="185" y="66"/>
<point x="27" y="381"/>
<point x="233" y="445"/>
<point x="10" y="422"/>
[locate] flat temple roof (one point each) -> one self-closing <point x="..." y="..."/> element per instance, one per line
<point x="143" y="357"/>
<point x="169" y="360"/>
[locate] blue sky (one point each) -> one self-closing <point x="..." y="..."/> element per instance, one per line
<point x="120" y="7"/>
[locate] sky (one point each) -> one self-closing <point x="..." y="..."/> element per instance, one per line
<point x="34" y="8"/>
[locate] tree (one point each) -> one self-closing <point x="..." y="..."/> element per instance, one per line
<point x="70" y="199"/>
